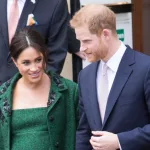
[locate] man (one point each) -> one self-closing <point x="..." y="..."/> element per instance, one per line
<point x="48" y="17"/>
<point x="114" y="90"/>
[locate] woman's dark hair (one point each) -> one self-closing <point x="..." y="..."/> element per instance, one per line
<point x="27" y="38"/>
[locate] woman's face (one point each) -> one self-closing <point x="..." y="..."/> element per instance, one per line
<point x="30" y="65"/>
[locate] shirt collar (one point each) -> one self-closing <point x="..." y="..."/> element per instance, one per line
<point x="114" y="61"/>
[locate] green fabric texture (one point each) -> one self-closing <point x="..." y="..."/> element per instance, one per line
<point x="62" y="113"/>
<point x="29" y="129"/>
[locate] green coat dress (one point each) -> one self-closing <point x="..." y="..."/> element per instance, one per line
<point x="62" y="112"/>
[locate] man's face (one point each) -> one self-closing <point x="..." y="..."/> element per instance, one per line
<point x="92" y="45"/>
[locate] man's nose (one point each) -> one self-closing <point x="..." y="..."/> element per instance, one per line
<point x="82" y="48"/>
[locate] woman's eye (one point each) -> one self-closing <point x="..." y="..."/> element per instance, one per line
<point x="39" y="60"/>
<point x="26" y="63"/>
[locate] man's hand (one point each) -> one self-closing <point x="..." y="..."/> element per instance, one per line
<point x="81" y="55"/>
<point x="102" y="140"/>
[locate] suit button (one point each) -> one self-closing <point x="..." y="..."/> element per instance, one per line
<point x="57" y="144"/>
<point x="51" y="118"/>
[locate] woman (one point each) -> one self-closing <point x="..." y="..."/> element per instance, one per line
<point x="38" y="109"/>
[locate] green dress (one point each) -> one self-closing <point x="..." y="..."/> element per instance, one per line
<point x="29" y="129"/>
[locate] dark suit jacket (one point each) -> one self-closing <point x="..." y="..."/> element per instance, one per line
<point x="73" y="43"/>
<point x="128" y="107"/>
<point x="52" y="19"/>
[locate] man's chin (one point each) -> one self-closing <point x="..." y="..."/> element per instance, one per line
<point x="91" y="60"/>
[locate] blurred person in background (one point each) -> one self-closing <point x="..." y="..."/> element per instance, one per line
<point x="48" y="17"/>
<point x="74" y="44"/>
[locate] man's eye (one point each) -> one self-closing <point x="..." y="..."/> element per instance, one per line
<point x="86" y="41"/>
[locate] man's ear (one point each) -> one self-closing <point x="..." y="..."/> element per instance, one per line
<point x="14" y="62"/>
<point x="106" y="33"/>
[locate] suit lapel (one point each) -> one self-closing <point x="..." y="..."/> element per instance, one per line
<point x="92" y="96"/>
<point x="28" y="9"/>
<point x="122" y="76"/>
<point x="3" y="21"/>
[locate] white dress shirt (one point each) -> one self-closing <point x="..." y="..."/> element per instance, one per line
<point x="113" y="64"/>
<point x="20" y="4"/>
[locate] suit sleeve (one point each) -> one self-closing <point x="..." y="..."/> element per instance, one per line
<point x="83" y="133"/>
<point x="58" y="40"/>
<point x="138" y="138"/>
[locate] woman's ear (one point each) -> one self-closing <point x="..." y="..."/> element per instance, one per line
<point x="14" y="62"/>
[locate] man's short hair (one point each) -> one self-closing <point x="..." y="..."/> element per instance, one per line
<point x="97" y="17"/>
